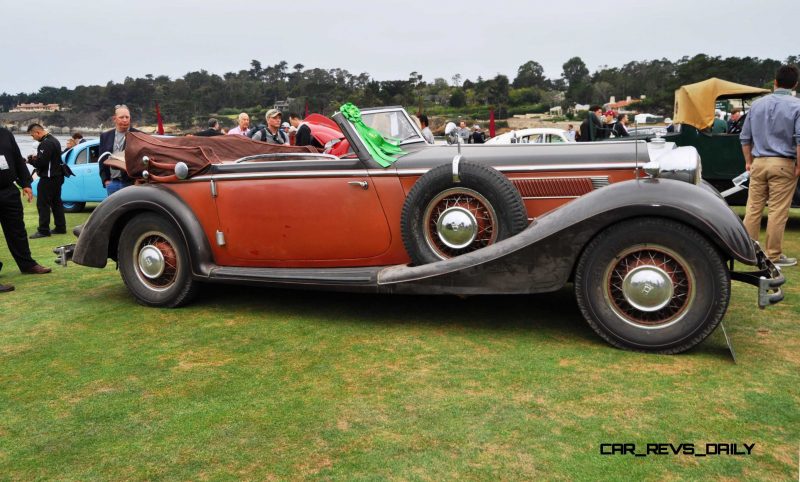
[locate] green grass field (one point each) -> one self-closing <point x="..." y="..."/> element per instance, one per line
<point x="265" y="384"/>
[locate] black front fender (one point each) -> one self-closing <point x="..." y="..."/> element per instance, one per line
<point x="542" y="257"/>
<point x="97" y="240"/>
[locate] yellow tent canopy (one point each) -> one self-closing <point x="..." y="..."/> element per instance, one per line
<point x="694" y="103"/>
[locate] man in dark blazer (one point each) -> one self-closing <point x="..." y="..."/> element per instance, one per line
<point x="113" y="141"/>
<point x="213" y="129"/>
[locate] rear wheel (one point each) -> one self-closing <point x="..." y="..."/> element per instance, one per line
<point x="653" y="285"/>
<point x="154" y="263"/>
<point x="73" y="207"/>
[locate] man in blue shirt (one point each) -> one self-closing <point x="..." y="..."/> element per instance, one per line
<point x="770" y="138"/>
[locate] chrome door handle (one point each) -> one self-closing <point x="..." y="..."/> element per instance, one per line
<point x="362" y="184"/>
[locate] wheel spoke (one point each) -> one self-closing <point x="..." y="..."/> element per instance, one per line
<point x="470" y="201"/>
<point x="170" y="260"/>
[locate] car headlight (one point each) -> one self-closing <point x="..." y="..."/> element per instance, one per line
<point x="682" y="164"/>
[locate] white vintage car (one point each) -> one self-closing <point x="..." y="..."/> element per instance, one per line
<point x="535" y="135"/>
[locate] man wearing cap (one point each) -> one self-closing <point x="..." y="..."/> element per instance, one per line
<point x="608" y="125"/>
<point x="771" y="145"/>
<point x="272" y="133"/>
<point x="736" y="121"/>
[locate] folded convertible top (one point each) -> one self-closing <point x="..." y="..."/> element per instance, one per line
<point x="197" y="152"/>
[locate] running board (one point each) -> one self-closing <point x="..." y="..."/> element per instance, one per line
<point x="366" y="276"/>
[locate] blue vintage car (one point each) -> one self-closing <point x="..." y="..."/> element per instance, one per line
<point x="85" y="186"/>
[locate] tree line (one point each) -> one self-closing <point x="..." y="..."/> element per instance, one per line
<point x="199" y="94"/>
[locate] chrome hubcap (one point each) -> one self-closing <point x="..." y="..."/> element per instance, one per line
<point x="647" y="288"/>
<point x="457" y="227"/>
<point x="151" y="261"/>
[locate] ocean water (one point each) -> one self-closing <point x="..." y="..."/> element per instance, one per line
<point x="28" y="146"/>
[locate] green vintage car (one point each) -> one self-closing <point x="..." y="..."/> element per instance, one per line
<point x="721" y="154"/>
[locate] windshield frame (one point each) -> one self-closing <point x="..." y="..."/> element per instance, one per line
<point x="381" y="110"/>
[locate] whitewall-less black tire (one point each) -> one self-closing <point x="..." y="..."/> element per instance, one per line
<point x="653" y="285"/>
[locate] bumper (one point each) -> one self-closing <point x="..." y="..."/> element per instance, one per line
<point x="768" y="279"/>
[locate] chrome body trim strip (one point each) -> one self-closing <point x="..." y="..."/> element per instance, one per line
<point x="276" y="175"/>
<point x="568" y="167"/>
<point x="410" y="172"/>
<point x="281" y="155"/>
<point x="549" y="197"/>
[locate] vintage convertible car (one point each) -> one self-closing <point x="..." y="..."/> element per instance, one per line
<point x="649" y="247"/>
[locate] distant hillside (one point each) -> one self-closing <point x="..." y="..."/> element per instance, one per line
<point x="58" y="122"/>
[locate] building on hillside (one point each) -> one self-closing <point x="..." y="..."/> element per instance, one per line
<point x="36" y="107"/>
<point x="581" y="108"/>
<point x="623" y="107"/>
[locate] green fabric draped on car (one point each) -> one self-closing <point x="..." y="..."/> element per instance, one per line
<point x="383" y="150"/>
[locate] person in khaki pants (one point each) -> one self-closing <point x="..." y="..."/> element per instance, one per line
<point x="771" y="144"/>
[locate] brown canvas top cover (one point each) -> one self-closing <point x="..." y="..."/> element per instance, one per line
<point x="695" y="103"/>
<point x="197" y="152"/>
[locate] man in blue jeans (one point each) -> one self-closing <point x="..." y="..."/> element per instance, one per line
<point x="113" y="141"/>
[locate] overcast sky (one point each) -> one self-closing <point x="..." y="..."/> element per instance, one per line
<point x="64" y="43"/>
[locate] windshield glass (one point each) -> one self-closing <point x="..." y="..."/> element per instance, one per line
<point x="391" y="124"/>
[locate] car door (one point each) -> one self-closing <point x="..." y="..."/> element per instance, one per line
<point x="317" y="210"/>
<point x="88" y="187"/>
<point x="95" y="191"/>
<point x="72" y="189"/>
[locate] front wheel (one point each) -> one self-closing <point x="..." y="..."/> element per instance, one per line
<point x="154" y="262"/>
<point x="652" y="285"/>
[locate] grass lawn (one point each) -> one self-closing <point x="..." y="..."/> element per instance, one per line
<point x="265" y="384"/>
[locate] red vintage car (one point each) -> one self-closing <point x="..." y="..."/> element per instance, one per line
<point x="649" y="247"/>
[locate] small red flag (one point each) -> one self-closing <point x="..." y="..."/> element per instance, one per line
<point x="491" y="123"/>
<point x="160" y="122"/>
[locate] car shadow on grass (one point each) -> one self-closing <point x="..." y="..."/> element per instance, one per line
<point x="552" y="316"/>
<point x="550" y="310"/>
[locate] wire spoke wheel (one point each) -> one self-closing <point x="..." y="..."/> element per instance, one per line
<point x="156" y="261"/>
<point x="649" y="286"/>
<point x="652" y="284"/>
<point x="445" y="217"/>
<point x="459" y="221"/>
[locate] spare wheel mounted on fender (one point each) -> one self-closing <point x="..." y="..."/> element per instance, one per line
<point x="443" y="218"/>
